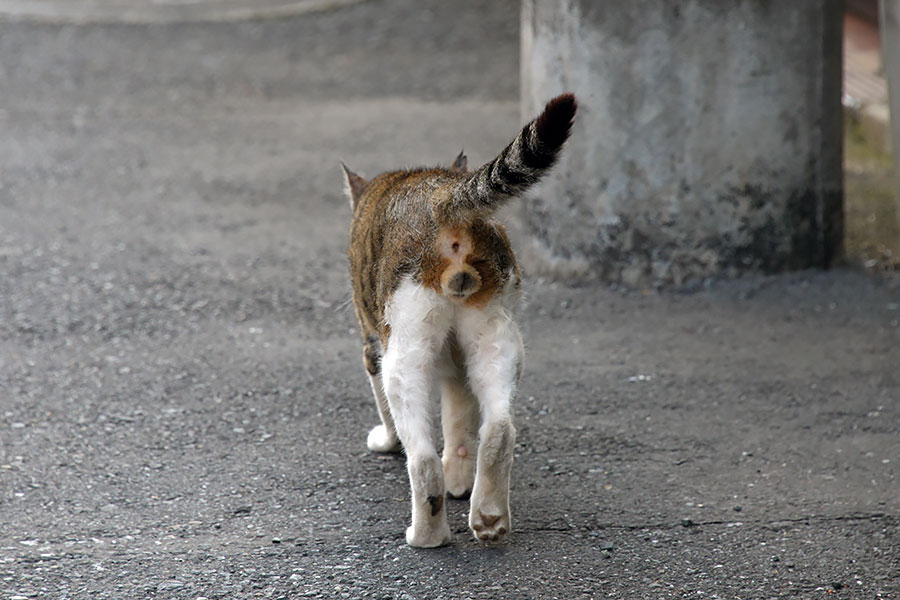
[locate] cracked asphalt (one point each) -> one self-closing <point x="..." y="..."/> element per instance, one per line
<point x="183" y="411"/>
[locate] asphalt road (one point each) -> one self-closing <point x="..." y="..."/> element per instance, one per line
<point x="183" y="411"/>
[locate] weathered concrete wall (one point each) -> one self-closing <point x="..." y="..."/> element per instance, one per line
<point x="708" y="139"/>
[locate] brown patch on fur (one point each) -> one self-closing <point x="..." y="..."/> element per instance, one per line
<point x="437" y="503"/>
<point x="458" y="278"/>
<point x="479" y="251"/>
<point x="493" y="259"/>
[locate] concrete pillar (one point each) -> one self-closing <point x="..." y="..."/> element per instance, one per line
<point x="707" y="142"/>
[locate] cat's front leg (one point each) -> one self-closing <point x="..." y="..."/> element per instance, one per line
<point x="418" y="331"/>
<point x="382" y="438"/>
<point x="493" y="347"/>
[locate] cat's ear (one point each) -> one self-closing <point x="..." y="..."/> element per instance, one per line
<point x="461" y="164"/>
<point x="354" y="186"/>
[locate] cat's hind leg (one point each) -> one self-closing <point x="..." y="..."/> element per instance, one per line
<point x="382" y="438"/>
<point x="493" y="348"/>
<point x="459" y="421"/>
<point x="418" y="327"/>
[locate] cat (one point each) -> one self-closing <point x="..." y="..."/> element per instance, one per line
<point x="435" y="287"/>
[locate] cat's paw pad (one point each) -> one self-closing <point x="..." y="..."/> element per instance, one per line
<point x="488" y="527"/>
<point x="459" y="473"/>
<point x="382" y="440"/>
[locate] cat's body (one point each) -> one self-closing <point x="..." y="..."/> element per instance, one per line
<point x="435" y="285"/>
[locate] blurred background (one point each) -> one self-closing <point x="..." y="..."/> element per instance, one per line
<point x="871" y="206"/>
<point x="88" y="56"/>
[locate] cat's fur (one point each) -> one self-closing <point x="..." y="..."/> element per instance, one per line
<point x="435" y="285"/>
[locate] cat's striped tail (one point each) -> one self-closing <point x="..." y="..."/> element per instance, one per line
<point x="515" y="169"/>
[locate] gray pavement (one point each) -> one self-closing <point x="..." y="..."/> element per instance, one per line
<point x="182" y="407"/>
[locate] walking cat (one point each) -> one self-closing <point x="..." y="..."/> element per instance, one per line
<point x="435" y="285"/>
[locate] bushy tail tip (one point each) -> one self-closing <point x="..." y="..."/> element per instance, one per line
<point x="521" y="164"/>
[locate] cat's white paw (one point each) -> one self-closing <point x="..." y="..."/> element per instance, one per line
<point x="489" y="518"/>
<point x="382" y="440"/>
<point x="459" y="473"/>
<point x="422" y="537"/>
<point x="489" y="526"/>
